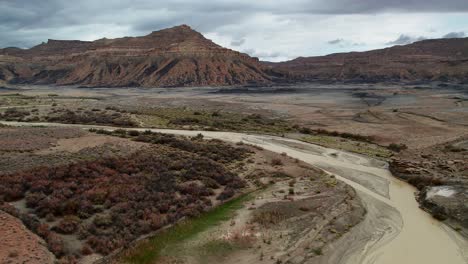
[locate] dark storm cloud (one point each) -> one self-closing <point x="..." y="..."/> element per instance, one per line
<point x="405" y="39"/>
<point x="28" y="22"/>
<point x="454" y="35"/>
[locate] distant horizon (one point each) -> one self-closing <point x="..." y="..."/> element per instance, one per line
<point x="272" y="31"/>
<point x="301" y="56"/>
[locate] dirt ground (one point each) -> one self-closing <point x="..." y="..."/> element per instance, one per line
<point x="23" y="148"/>
<point x="416" y="115"/>
<point x="19" y="245"/>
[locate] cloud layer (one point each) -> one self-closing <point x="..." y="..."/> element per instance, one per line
<point x="273" y="30"/>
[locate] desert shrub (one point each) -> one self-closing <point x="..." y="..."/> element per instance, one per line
<point x="305" y="130"/>
<point x="33" y="199"/>
<point x="12" y="193"/>
<point x="68" y="225"/>
<point x="213" y="149"/>
<point x="91" y="117"/>
<point x="133" y="133"/>
<point x="120" y="131"/>
<point x="276" y="162"/>
<point x="43" y="230"/>
<point x="86" y="250"/>
<point x="347" y="135"/>
<point x="55" y="244"/>
<point x="268" y="218"/>
<point x="226" y="194"/>
<point x="185" y="121"/>
<point x="12" y="114"/>
<point x="453" y="148"/>
<point x="199" y="136"/>
<point x="104" y="132"/>
<point x="397" y="147"/>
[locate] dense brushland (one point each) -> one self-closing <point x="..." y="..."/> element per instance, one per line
<point x="103" y="204"/>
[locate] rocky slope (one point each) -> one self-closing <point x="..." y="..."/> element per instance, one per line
<point x="178" y="56"/>
<point x="427" y="60"/>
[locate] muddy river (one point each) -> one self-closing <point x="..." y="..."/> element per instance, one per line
<point x="394" y="230"/>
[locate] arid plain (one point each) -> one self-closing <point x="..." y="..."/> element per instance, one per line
<point x="364" y="125"/>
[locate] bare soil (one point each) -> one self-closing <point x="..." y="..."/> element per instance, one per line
<point x="19" y="245"/>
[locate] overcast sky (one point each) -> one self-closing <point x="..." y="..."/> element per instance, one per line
<point x="272" y="30"/>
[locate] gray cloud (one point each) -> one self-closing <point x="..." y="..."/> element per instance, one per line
<point x="237" y="43"/>
<point x="455" y="35"/>
<point x="335" y="41"/>
<point x="282" y="25"/>
<point x="27" y="22"/>
<point x="264" y="54"/>
<point x="405" y="39"/>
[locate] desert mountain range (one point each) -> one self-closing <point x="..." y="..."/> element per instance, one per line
<point x="180" y="56"/>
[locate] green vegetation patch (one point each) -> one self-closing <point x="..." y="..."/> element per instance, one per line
<point x="162" y="243"/>
<point x="221" y="248"/>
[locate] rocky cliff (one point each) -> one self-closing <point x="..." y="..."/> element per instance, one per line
<point x="427" y="60"/>
<point x="177" y="56"/>
<point x="180" y="56"/>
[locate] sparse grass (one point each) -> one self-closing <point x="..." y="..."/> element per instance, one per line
<point x="150" y="251"/>
<point x="268" y="218"/>
<point x="220" y="248"/>
<point x="359" y="147"/>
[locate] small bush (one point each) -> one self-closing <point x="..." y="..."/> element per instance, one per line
<point x="397" y="147"/>
<point x="226" y="194"/>
<point x="276" y="162"/>
<point x="68" y="225"/>
<point x="268" y="218"/>
<point x="133" y="133"/>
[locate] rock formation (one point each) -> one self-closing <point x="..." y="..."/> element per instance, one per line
<point x="180" y="56"/>
<point x="427" y="60"/>
<point x="177" y="56"/>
